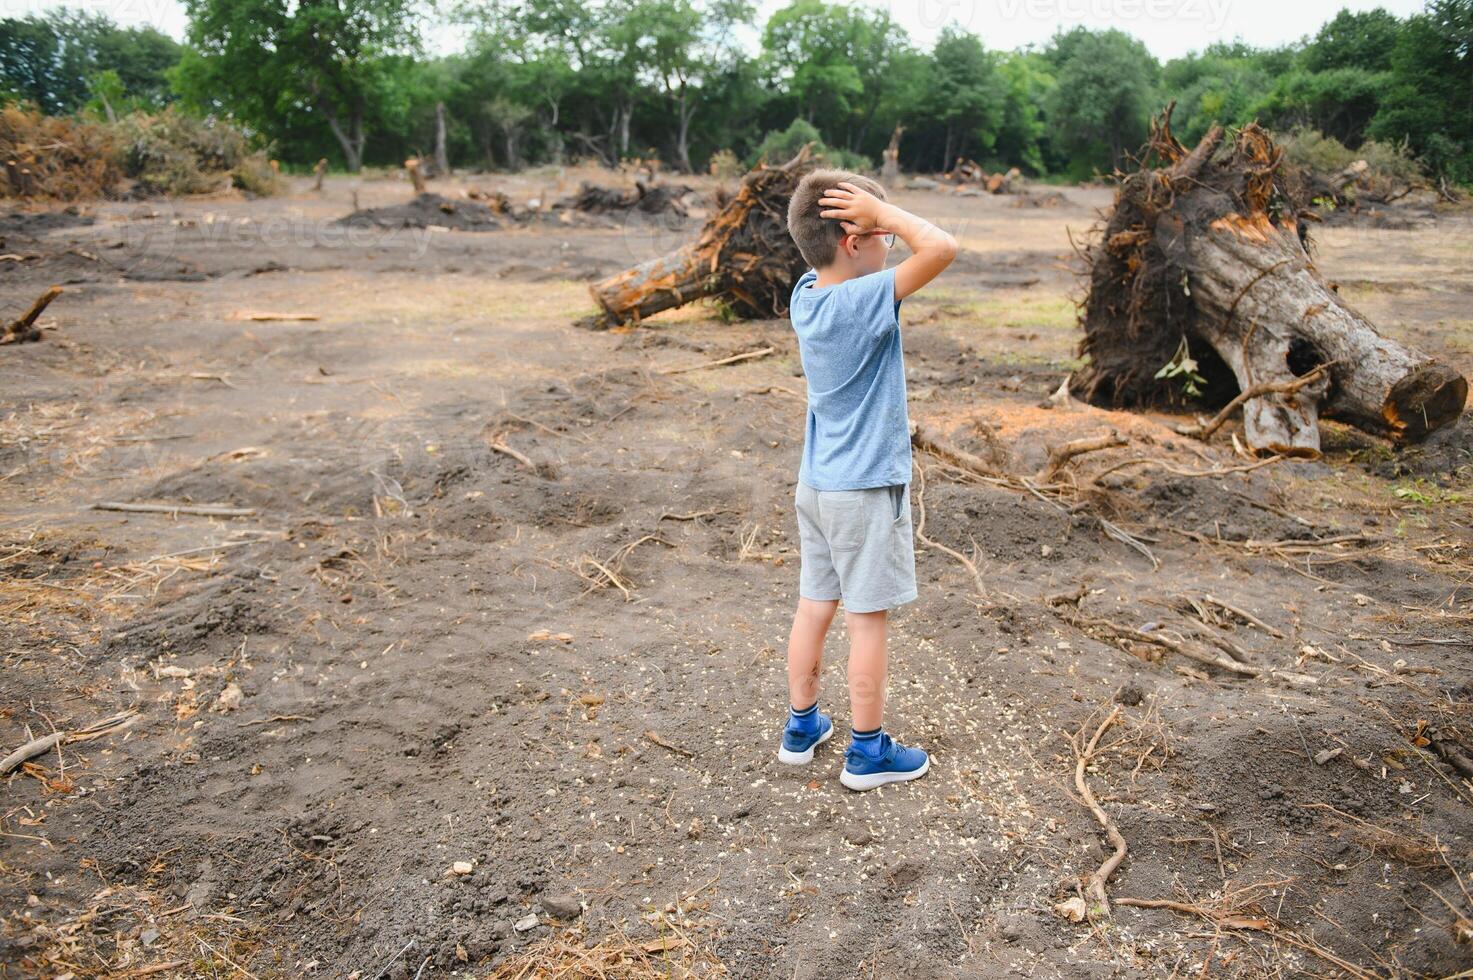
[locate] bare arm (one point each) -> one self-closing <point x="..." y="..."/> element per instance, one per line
<point x="860" y="212"/>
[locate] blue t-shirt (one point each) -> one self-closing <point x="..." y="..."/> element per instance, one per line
<point x="858" y="432"/>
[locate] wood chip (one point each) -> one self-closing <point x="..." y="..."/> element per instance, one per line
<point x="654" y="736"/>
<point x="262" y="316"/>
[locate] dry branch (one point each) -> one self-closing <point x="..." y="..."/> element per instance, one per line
<point x="198" y="510"/>
<point x="30" y="750"/>
<point x="928" y="439"/>
<point x="1095" y="884"/>
<point x="1067" y="608"/>
<point x="1204" y="430"/>
<point x="39" y="746"/>
<point x="747" y="356"/>
<point x="1060" y="455"/>
<point x="24" y="328"/>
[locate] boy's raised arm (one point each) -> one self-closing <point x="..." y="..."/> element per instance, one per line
<point x="860" y="212"/>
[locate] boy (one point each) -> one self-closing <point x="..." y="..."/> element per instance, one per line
<point x="853" y="496"/>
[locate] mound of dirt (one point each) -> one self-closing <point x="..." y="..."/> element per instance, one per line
<point x="1447" y="456"/>
<point x="36" y="222"/>
<point x="429" y="211"/>
<point x="657" y="199"/>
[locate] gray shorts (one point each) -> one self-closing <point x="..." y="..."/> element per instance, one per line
<point x="856" y="545"/>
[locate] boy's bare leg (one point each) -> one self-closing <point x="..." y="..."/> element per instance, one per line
<point x="805" y="649"/>
<point x="868" y="662"/>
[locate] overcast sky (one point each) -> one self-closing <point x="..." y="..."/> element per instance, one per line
<point x="1168" y="27"/>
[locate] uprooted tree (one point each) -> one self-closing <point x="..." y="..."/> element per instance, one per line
<point x="743" y="256"/>
<point x="1204" y="259"/>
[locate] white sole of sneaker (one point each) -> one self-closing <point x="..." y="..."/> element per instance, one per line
<point x="806" y="756"/>
<point x="874" y="780"/>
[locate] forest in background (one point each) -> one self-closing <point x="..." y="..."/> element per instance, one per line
<point x="542" y="81"/>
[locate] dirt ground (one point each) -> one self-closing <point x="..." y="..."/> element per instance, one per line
<point x="492" y="673"/>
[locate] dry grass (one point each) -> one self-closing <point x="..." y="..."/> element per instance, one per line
<point x="671" y="956"/>
<point x="113" y="936"/>
<point x="87" y="593"/>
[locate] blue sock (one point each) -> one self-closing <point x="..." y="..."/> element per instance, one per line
<point x="866" y="742"/>
<point x="805" y="720"/>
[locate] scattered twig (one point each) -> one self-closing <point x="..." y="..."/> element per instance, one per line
<point x="30" y="750"/>
<point x="1067" y="607"/>
<point x="501" y="447"/>
<point x="749" y="355"/>
<point x="44" y="744"/>
<point x="926" y="438"/>
<point x="970" y="565"/>
<point x="1179" y="471"/>
<point x="1095" y="885"/>
<point x="262" y="316"/>
<point x="198" y="510"/>
<point x="206" y="376"/>
<point x="1247" y="617"/>
<point x="610" y="568"/>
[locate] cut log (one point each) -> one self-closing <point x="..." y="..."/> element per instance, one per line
<point x="743" y="257"/>
<point x="1207" y="249"/>
<point x="966" y="171"/>
<point x="1322" y="189"/>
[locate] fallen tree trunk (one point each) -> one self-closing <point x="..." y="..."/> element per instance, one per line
<point x="1202" y="275"/>
<point x="744" y="256"/>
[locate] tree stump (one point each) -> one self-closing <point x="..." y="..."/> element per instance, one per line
<point x="1206" y="253"/>
<point x="743" y="256"/>
<point x="890" y="157"/>
<point x="416" y="175"/>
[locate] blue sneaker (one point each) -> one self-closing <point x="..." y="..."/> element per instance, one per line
<point x="893" y="764"/>
<point x="799" y="743"/>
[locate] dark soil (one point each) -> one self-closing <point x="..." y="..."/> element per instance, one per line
<point x="420" y="651"/>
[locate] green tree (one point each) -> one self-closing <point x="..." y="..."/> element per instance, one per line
<point x="1224" y="84"/>
<point x="1339" y="102"/>
<point x="969" y="93"/>
<point x="1105" y="94"/>
<point x="1027" y="84"/>
<point x="1429" y="101"/>
<point x="685" y="44"/>
<point x="810" y="49"/>
<point x="54" y="60"/>
<point x="276" y="64"/>
<point x="1352" y="39"/>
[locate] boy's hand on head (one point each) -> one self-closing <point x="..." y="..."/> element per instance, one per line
<point x="860" y="212"/>
<point x="856" y="209"/>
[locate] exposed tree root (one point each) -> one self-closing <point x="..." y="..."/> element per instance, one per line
<point x="1094" y="886"/>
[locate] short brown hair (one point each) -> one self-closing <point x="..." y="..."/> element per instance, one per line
<point x="818" y="238"/>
